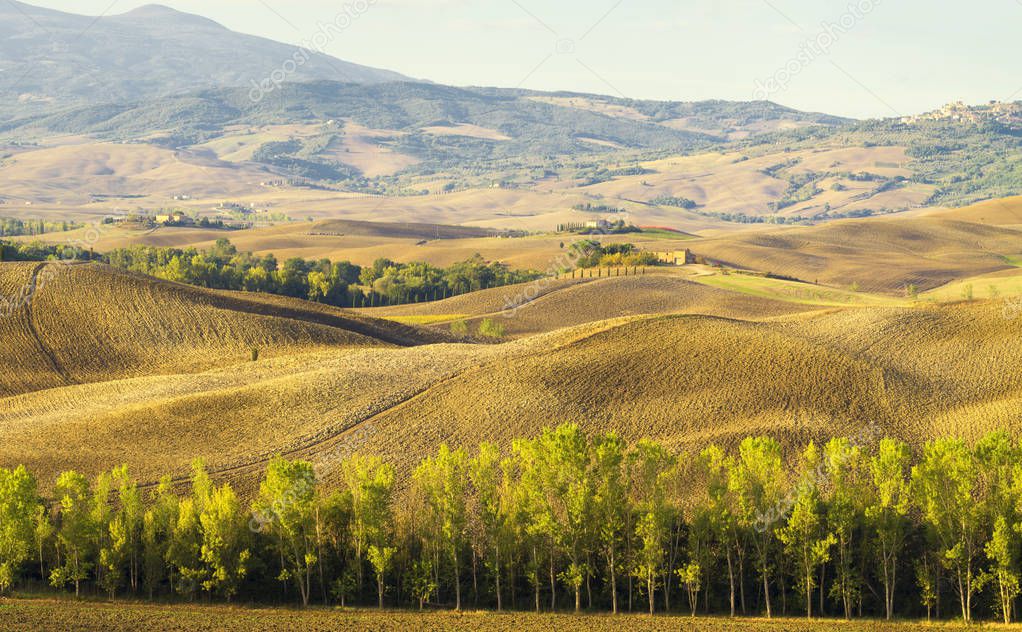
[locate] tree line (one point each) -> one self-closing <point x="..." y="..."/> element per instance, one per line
<point x="342" y="284"/>
<point x="561" y="521"/>
<point x="13" y="227"/>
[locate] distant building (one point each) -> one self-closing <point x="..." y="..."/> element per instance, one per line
<point x="173" y="218"/>
<point x="600" y="224"/>
<point x="676" y="257"/>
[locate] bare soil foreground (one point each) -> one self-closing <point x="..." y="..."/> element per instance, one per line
<point x="45" y="615"/>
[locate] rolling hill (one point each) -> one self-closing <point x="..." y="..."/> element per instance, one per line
<point x="109" y="367"/>
<point x="883" y="255"/>
<point x="685" y="380"/>
<point x="75" y="324"/>
<point x="550" y="304"/>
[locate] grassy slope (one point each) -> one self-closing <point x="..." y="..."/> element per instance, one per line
<point x="792" y="291"/>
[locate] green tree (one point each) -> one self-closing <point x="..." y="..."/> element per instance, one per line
<point x="845" y="499"/>
<point x="650" y="465"/>
<point x="423" y="584"/>
<point x="1003" y="551"/>
<point x="927" y="580"/>
<point x="370" y="483"/>
<point x="718" y="470"/>
<point x="945" y="484"/>
<point x="124" y="527"/>
<point x="887" y="511"/>
<point x="556" y="474"/>
<point x="184" y="553"/>
<point x="158" y="524"/>
<point x="381" y="558"/>
<point x="75" y="534"/>
<point x="998" y="457"/>
<point x="610" y="504"/>
<point x="760" y="488"/>
<point x="491" y="511"/>
<point x="805" y="536"/>
<point x="691" y="576"/>
<point x="18" y="503"/>
<point x="285" y="510"/>
<point x="335" y="544"/>
<point x="101" y="515"/>
<point x="490" y="328"/>
<point x="442" y="483"/>
<point x="42" y="535"/>
<point x="701" y="550"/>
<point x="225" y="542"/>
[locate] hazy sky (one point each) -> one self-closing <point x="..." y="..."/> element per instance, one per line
<point x="860" y="58"/>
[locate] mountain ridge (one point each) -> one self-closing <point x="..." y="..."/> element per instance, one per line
<point x="50" y="57"/>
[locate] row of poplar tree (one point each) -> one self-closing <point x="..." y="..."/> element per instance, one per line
<point x="841" y="529"/>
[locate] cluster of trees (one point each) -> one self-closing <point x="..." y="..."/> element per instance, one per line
<point x="677" y="202"/>
<point x="18" y="251"/>
<point x="590" y="253"/>
<point x="13" y="227"/>
<point x="342" y="284"/>
<point x="589" y="207"/>
<point x="802" y="186"/>
<point x="845" y="530"/>
<point x="410" y="282"/>
<point x="742" y="218"/>
<point x="224" y="267"/>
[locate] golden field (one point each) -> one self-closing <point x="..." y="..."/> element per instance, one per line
<point x="104" y="367"/>
<point x="109" y="367"/>
<point x="882" y="255"/>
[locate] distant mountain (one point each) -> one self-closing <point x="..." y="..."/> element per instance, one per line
<point x="50" y="57"/>
<point x="530" y="125"/>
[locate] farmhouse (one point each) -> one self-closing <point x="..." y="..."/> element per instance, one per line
<point x="173" y="218"/>
<point x="676" y="257"/>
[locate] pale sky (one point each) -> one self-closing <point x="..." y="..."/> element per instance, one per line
<point x="866" y="58"/>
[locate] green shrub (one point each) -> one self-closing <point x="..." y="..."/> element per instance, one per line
<point x="491" y="329"/>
